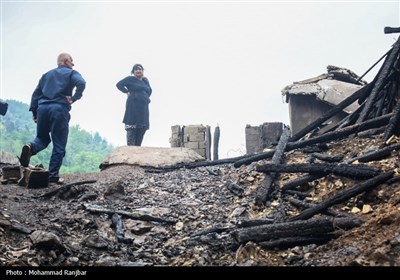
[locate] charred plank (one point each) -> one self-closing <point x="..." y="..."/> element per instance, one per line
<point x="65" y="188"/>
<point x="249" y="159"/>
<point x="215" y="229"/>
<point x="347" y="170"/>
<point x="136" y="216"/>
<point x="341" y="133"/>
<point x="327" y="158"/>
<point x="311" y="227"/>
<point x="290" y="242"/>
<point x="383" y="73"/>
<point x="300" y="181"/>
<point x="217" y="133"/>
<point x="393" y="122"/>
<point x="298" y="193"/>
<point x="375" y="155"/>
<point x="344" y="195"/>
<point x="346" y="102"/>
<point x="267" y="186"/>
<point x="334" y="135"/>
<point x="305" y="205"/>
<point x="234" y="188"/>
<point x="256" y="222"/>
<point x="196" y="164"/>
<point x="119" y="229"/>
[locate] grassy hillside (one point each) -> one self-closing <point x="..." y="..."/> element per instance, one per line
<point x="85" y="151"/>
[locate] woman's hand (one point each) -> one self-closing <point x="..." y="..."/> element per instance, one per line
<point x="69" y="99"/>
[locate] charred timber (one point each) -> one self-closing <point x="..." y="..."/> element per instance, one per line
<point x="376" y="155"/>
<point x="300" y="181"/>
<point x="385" y="70"/>
<point x="305" y="205"/>
<point x="347" y="170"/>
<point x="334" y="135"/>
<point x="252" y="158"/>
<point x="311" y="227"/>
<point x="196" y="164"/>
<point x="136" y="216"/>
<point x="217" y="134"/>
<point x="391" y="98"/>
<point x="119" y="229"/>
<point x="256" y="222"/>
<point x="341" y="133"/>
<point x="349" y="120"/>
<point x="328" y="158"/>
<point x="266" y="189"/>
<point x="65" y="188"/>
<point x="216" y="229"/>
<point x="344" y="195"/>
<point x="290" y="242"/>
<point x="393" y="122"/>
<point x="387" y="81"/>
<point x="234" y="188"/>
<point x="298" y="193"/>
<point x="349" y="100"/>
<point x="371" y="132"/>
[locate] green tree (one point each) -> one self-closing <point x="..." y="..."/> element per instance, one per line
<point x="85" y="151"/>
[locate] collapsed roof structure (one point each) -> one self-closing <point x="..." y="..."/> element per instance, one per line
<point x="309" y="99"/>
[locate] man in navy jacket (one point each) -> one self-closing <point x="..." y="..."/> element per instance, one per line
<point x="50" y="105"/>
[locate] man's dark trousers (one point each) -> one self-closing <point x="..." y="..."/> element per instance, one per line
<point x="52" y="125"/>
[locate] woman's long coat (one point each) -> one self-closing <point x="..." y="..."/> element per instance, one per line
<point x="137" y="104"/>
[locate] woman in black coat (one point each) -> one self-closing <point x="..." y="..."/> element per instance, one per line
<point x="136" y="118"/>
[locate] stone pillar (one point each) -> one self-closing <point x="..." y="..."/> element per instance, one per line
<point x="260" y="137"/>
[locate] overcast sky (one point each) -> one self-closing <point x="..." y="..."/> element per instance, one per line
<point x="212" y="63"/>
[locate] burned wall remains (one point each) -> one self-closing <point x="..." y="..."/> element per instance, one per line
<point x="260" y="137"/>
<point x="195" y="137"/>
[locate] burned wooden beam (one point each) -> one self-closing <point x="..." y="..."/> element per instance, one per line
<point x="136" y="216"/>
<point x="375" y="155"/>
<point x="65" y="188"/>
<point x="119" y="229"/>
<point x="297" y="193"/>
<point x="217" y="133"/>
<point x="347" y="170"/>
<point x="290" y="242"/>
<point x="255" y="222"/>
<point x="249" y="159"/>
<point x="311" y="227"/>
<point x="216" y="229"/>
<point x="338" y="108"/>
<point x="305" y="205"/>
<point x="349" y="120"/>
<point x="341" y="133"/>
<point x="192" y="165"/>
<point x="392" y="97"/>
<point x="300" y="181"/>
<point x="267" y="186"/>
<point x="234" y="188"/>
<point x="266" y="189"/>
<point x="393" y="122"/>
<point x="371" y="132"/>
<point x="383" y="73"/>
<point x="344" y="195"/>
<point x="327" y="158"/>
